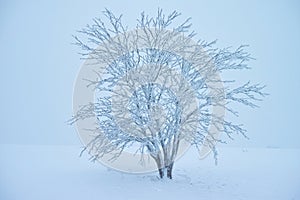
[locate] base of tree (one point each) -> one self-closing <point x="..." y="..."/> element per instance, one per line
<point x="168" y="169"/>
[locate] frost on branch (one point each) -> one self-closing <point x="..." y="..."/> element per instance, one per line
<point x="158" y="87"/>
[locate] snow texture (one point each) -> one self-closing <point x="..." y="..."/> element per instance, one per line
<point x="57" y="172"/>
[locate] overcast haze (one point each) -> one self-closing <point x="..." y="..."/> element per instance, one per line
<point x="39" y="64"/>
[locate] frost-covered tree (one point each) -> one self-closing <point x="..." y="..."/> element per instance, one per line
<point x="159" y="87"/>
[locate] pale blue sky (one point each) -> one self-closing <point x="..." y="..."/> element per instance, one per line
<point x="39" y="64"/>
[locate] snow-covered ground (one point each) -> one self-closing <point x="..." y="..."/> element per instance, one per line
<point x="58" y="173"/>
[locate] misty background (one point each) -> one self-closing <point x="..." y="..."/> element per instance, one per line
<point x="39" y="64"/>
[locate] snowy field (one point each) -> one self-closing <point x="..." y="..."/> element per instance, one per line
<point x="58" y="173"/>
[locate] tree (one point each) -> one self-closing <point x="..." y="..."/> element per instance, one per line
<point x="157" y="88"/>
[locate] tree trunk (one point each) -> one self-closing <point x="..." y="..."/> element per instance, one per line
<point x="165" y="159"/>
<point x="161" y="173"/>
<point x="160" y="165"/>
<point x="170" y="170"/>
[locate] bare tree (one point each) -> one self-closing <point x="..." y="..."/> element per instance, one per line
<point x="160" y="87"/>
